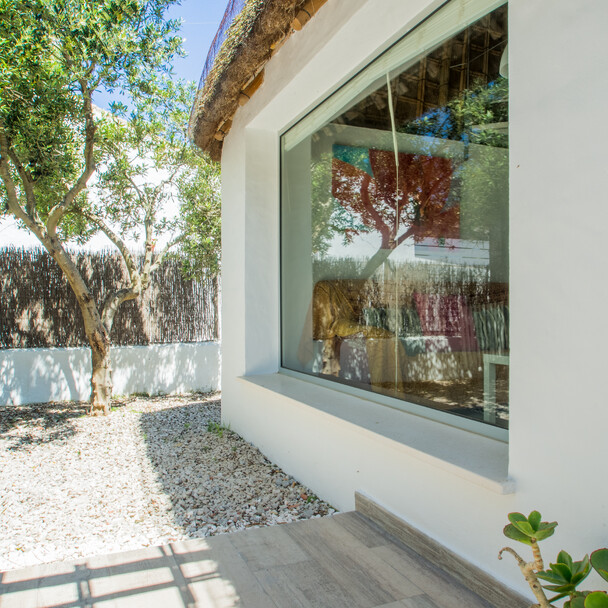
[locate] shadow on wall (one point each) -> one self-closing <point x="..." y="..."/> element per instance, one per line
<point x="166" y="368"/>
<point x="40" y="375"/>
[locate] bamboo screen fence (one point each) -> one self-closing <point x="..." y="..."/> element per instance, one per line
<point x="38" y="308"/>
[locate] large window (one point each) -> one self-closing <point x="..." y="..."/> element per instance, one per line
<point x="394" y="239"/>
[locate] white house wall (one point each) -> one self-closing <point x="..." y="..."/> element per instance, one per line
<point x="558" y="292"/>
<point x="559" y="224"/>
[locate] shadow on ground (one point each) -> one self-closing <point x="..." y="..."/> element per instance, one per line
<point x="23" y="426"/>
<point x="151" y="577"/>
<point x="212" y="481"/>
<point x="184" y="445"/>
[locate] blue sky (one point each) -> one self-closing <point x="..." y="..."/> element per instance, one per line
<point x="201" y="18"/>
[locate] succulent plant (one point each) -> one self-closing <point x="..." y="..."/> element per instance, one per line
<point x="528" y="529"/>
<point x="562" y="577"/>
<point x="565" y="574"/>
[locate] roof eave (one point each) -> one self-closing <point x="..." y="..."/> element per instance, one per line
<point x="253" y="37"/>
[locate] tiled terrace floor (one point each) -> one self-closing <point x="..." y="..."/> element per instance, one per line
<point x="342" y="561"/>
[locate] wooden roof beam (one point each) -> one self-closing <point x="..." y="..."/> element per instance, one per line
<point x="306" y="13"/>
<point x="251" y="88"/>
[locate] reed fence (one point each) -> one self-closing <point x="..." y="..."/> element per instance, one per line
<point x="39" y="309"/>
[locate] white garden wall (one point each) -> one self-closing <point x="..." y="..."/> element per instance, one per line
<point x="52" y="374"/>
<point x="454" y="485"/>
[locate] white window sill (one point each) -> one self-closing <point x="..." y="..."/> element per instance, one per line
<point x="478" y="459"/>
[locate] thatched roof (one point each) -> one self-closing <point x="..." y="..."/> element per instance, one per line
<point x="257" y="31"/>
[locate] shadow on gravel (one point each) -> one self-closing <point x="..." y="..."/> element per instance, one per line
<point x="211" y="480"/>
<point x="178" y="441"/>
<point x="24" y="426"/>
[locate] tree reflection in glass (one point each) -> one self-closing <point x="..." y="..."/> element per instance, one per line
<point x="408" y="244"/>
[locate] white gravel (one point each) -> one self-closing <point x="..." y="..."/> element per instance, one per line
<point x="157" y="470"/>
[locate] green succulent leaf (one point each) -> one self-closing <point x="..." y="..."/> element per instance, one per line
<point x="563" y="557"/>
<point x="581" y="568"/>
<point x="576" y="602"/>
<point x="563" y="571"/>
<point x="563" y="590"/>
<point x="565" y="575"/>
<point x="559" y="597"/>
<point x="516" y="517"/>
<point x="552" y="577"/>
<point x="599" y="561"/>
<point x="545" y="529"/>
<point x="557" y="583"/>
<point x="510" y="531"/>
<point x="526" y="528"/>
<point x="597" y="599"/>
<point x="534" y="519"/>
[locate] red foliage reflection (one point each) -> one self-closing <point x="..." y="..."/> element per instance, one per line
<point x="420" y="186"/>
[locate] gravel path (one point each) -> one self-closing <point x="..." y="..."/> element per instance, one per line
<point x="158" y="469"/>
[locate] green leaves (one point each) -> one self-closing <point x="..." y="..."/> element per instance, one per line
<point x="510" y="531"/>
<point x="565" y="575"/>
<point x="599" y="561"/>
<point x="597" y="599"/>
<point x="54" y="54"/>
<point x="149" y="172"/>
<point x="578" y="601"/>
<point x="200" y="215"/>
<point x="534" y="520"/>
<point x="529" y="529"/>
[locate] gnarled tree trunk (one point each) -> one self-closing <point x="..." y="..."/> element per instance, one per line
<point x="101" y="375"/>
<point x="96" y="332"/>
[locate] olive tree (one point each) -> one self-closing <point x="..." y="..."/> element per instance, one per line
<point x="68" y="170"/>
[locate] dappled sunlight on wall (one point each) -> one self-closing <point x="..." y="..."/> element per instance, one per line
<point x="168" y="368"/>
<point x="57" y="374"/>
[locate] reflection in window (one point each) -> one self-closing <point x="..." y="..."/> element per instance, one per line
<point x="395" y="228"/>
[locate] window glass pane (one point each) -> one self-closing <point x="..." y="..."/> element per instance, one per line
<point x="394" y="232"/>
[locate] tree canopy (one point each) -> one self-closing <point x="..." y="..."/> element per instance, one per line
<point x="54" y="55"/>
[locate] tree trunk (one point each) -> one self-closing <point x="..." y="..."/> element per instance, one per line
<point x="95" y="330"/>
<point x="383" y="253"/>
<point x="375" y="262"/>
<point x="101" y="376"/>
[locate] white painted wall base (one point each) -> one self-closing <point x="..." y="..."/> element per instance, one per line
<point x="39" y="375"/>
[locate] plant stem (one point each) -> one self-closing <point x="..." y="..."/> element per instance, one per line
<point x="538" y="560"/>
<point x="528" y="570"/>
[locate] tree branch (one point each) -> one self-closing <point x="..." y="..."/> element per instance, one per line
<point x="11" y="189"/>
<point x="171" y="177"/>
<point x="161" y="256"/>
<point x="149" y="244"/>
<point x="406" y="235"/>
<point x="58" y="211"/>
<point x="138" y="283"/>
<point x="122" y="247"/>
<point x="373" y="214"/>
<point x="383" y="253"/>
<point x="113" y="302"/>
<point x="140" y="194"/>
<point x="28" y="184"/>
